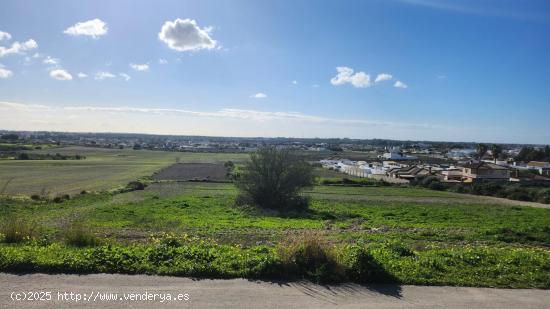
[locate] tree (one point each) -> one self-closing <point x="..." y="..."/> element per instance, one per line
<point x="497" y="151"/>
<point x="481" y="150"/>
<point x="274" y="178"/>
<point x="11" y="137"/>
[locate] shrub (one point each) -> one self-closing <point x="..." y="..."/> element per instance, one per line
<point x="79" y="236"/>
<point x="309" y="256"/>
<point x="16" y="230"/>
<point x="135" y="185"/>
<point x="61" y="198"/>
<point x="273" y="178"/>
<point x="543" y="196"/>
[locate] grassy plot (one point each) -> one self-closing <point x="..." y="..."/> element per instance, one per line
<point x="364" y="234"/>
<point x="101" y="170"/>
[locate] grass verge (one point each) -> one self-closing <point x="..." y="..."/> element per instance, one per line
<point x="306" y="258"/>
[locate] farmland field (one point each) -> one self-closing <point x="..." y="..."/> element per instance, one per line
<point x="192" y="171"/>
<point x="102" y="169"/>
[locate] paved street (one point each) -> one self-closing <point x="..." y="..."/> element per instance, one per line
<point x="90" y="291"/>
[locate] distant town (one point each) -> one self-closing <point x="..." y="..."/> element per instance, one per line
<point x="388" y="160"/>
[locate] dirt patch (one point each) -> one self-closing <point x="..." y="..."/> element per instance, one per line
<point x="193" y="171"/>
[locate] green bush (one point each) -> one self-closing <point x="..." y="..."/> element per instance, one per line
<point x="274" y="178"/>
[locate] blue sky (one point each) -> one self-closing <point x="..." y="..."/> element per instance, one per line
<point x="464" y="70"/>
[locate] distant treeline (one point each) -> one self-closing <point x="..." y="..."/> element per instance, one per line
<point x="47" y="156"/>
<point x="528" y="192"/>
<point x="533" y="154"/>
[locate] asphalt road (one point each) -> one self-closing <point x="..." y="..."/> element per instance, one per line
<point x="239" y="293"/>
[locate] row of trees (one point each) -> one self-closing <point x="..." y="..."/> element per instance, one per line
<point x="533" y="154"/>
<point x="526" y="153"/>
<point x="482" y="149"/>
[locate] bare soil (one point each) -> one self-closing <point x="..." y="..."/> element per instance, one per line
<point x="193" y="171"/>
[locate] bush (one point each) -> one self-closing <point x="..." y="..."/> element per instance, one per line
<point x="16" y="230"/>
<point x="310" y="257"/>
<point x="134" y="185"/>
<point x="79" y="236"/>
<point x="543" y="196"/>
<point x="273" y="178"/>
<point x="61" y="198"/>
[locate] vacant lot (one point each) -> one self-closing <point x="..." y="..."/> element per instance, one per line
<point x="413" y="235"/>
<point x="193" y="171"/>
<point x="102" y="169"/>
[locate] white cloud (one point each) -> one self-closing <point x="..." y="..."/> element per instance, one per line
<point x="60" y="74"/>
<point x="295" y="82"/>
<point x="125" y="76"/>
<point x="382" y="77"/>
<point x="103" y="75"/>
<point x="18" y="48"/>
<point x="140" y="67"/>
<point x="82" y="75"/>
<point x="225" y="113"/>
<point x="5" y="73"/>
<point x="94" y="28"/>
<point x="259" y="95"/>
<point x="186" y="35"/>
<point x="163" y="61"/>
<point x="346" y="75"/>
<point x="400" y="84"/>
<point x="5" y="36"/>
<point x="51" y="61"/>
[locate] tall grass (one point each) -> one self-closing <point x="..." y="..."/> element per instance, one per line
<point x="76" y="234"/>
<point x="16" y="230"/>
<point x="310" y="256"/>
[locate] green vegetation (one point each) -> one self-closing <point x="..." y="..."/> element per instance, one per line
<point x="273" y="178"/>
<point x="362" y="234"/>
<point x="120" y="220"/>
<point x="532" y="154"/>
<point x="528" y="192"/>
<point x="103" y="169"/>
<point x="470" y="266"/>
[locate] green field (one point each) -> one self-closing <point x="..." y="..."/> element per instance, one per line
<point x="416" y="235"/>
<point x="376" y="233"/>
<point x="102" y="169"/>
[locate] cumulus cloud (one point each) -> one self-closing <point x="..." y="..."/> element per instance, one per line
<point x="5" y="36"/>
<point x="103" y="75"/>
<point x="60" y="74"/>
<point x="163" y="61"/>
<point x="94" y="28"/>
<point x="186" y="35"/>
<point x="5" y="73"/>
<point x="400" y="84"/>
<point x="125" y="76"/>
<point x="51" y="61"/>
<point x="18" y="48"/>
<point x="382" y="77"/>
<point x="347" y="76"/>
<point x="140" y="67"/>
<point x="259" y="95"/>
<point x="82" y="75"/>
